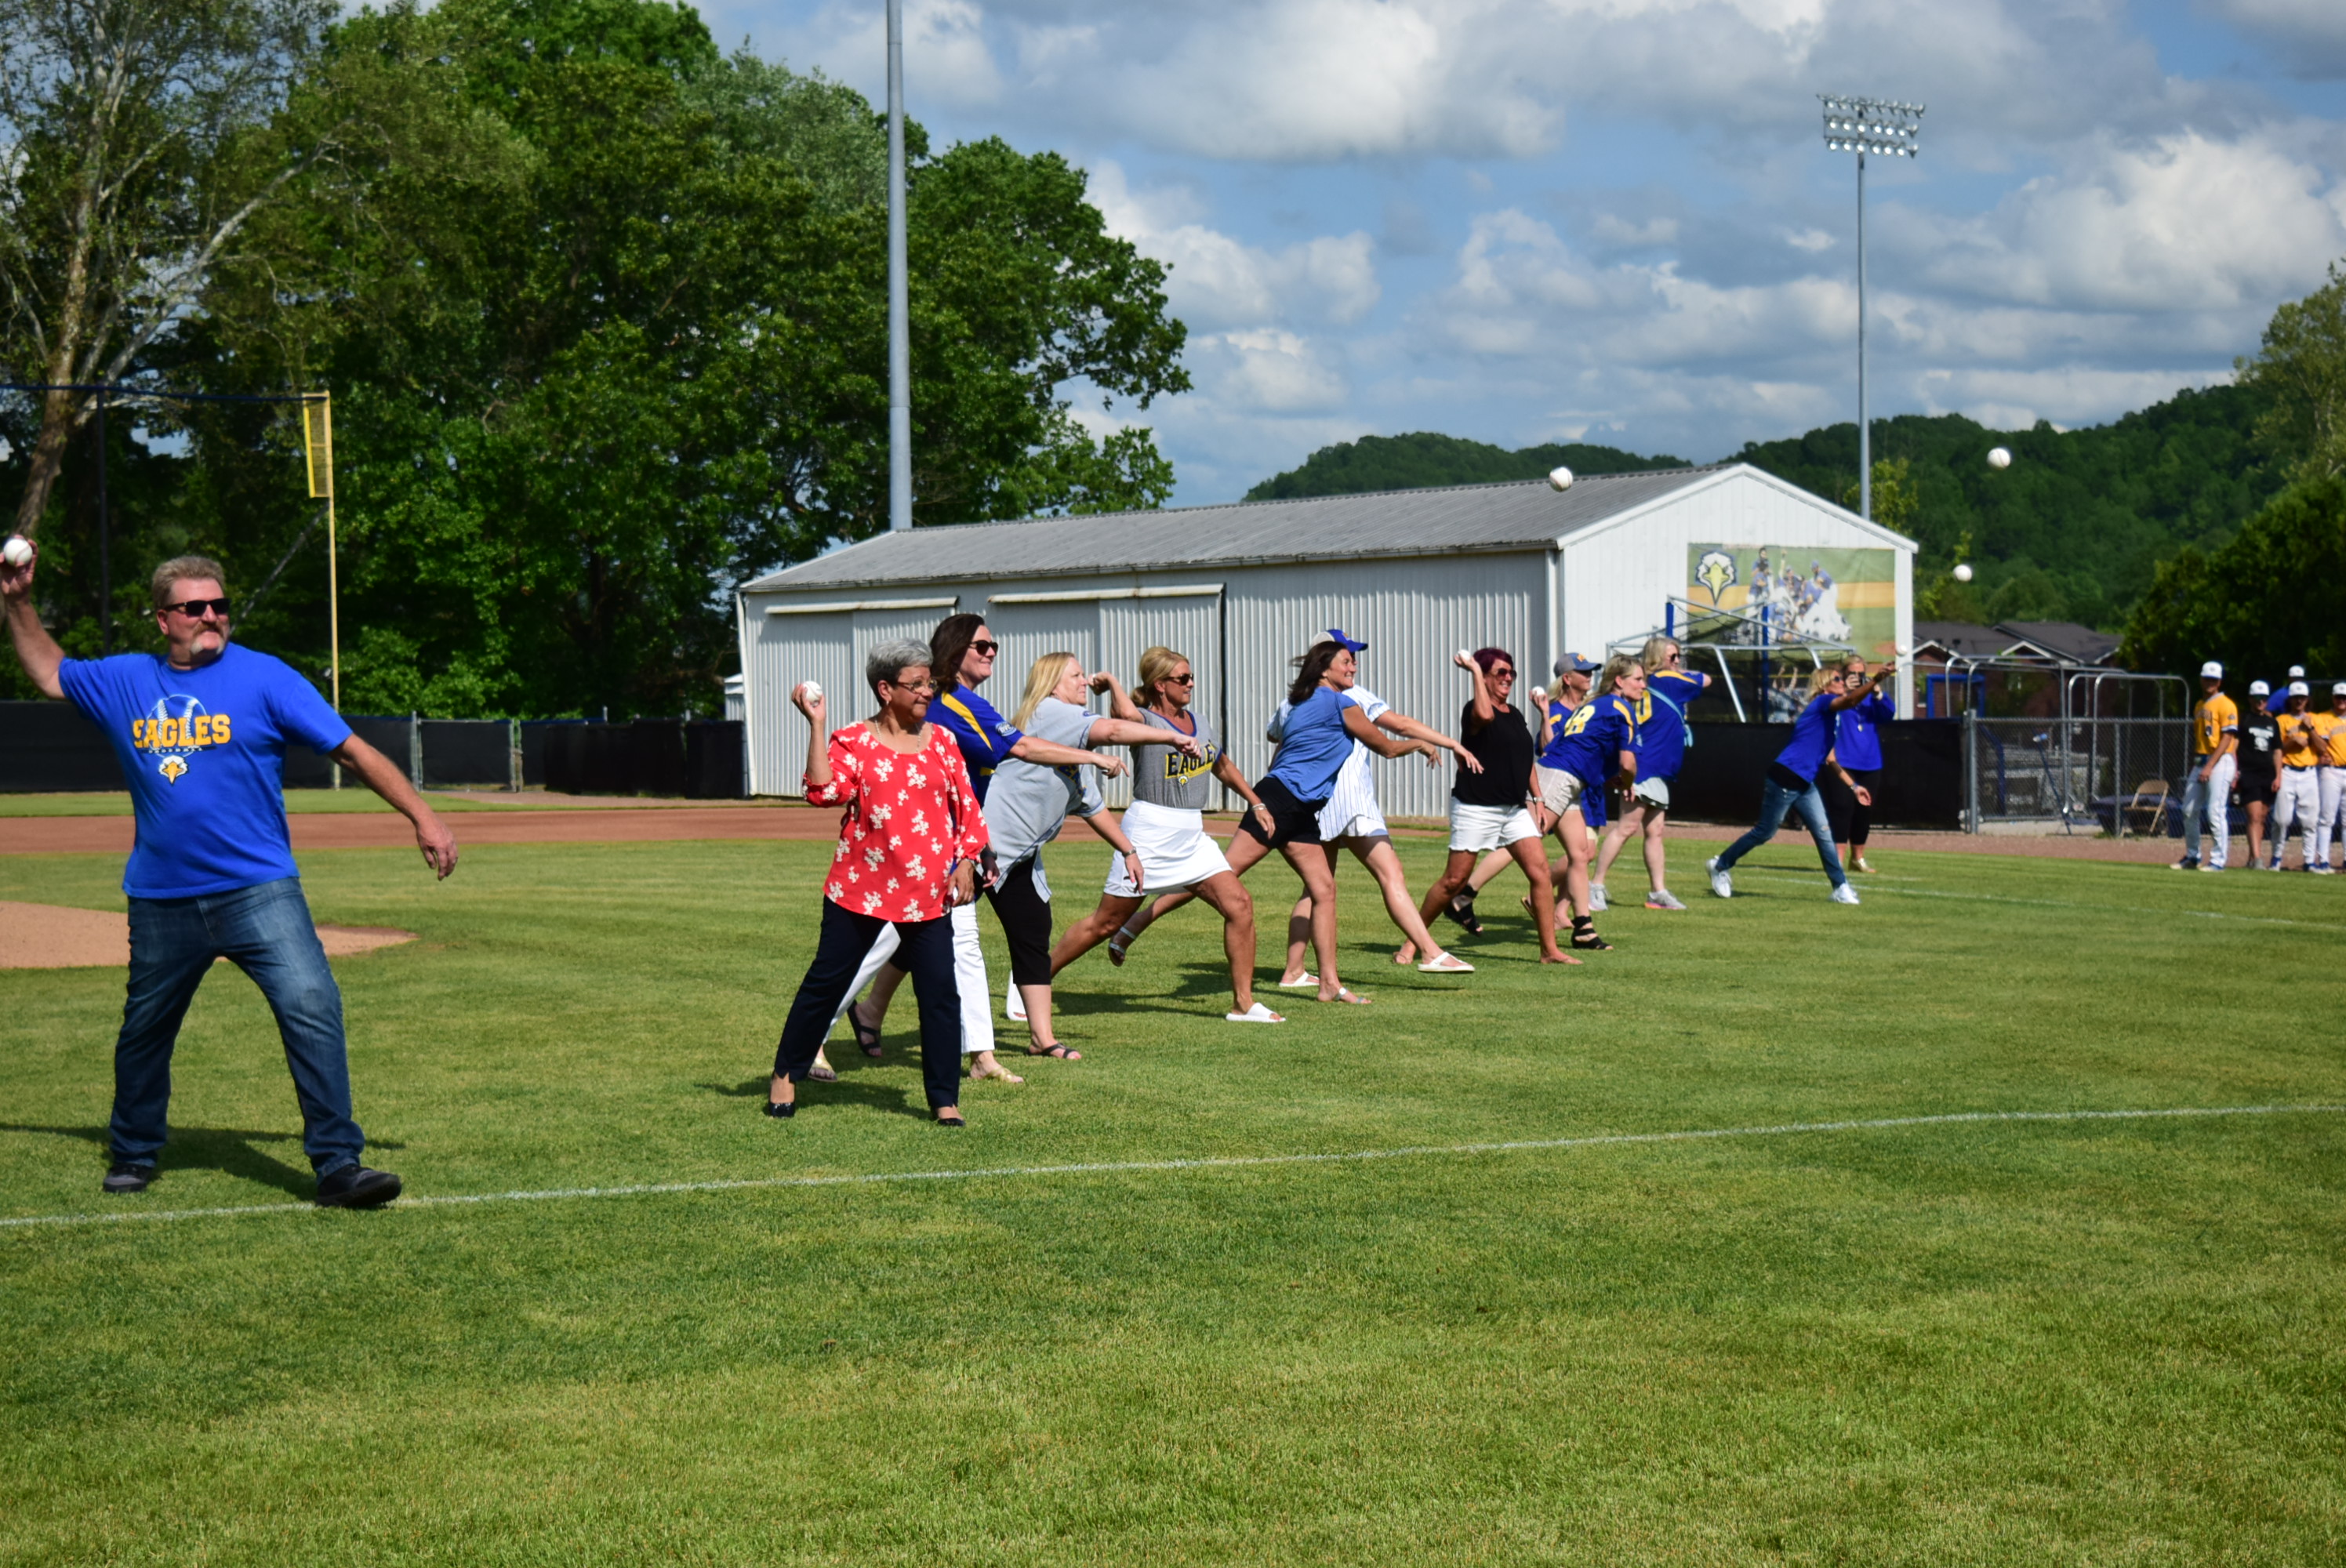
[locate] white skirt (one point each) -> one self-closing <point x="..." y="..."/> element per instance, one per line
<point x="1175" y="851"/>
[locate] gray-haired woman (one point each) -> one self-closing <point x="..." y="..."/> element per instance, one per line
<point x="908" y="846"/>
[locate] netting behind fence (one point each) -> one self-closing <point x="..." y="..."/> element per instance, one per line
<point x="2115" y="775"/>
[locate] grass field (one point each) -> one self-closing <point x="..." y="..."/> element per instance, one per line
<point x="2055" y="1341"/>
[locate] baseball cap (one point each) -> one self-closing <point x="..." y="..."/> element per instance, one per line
<point x="2211" y="670"/>
<point x="2299" y="689"/>
<point x="1573" y="663"/>
<point x="2339" y="690"/>
<point x="2259" y="688"/>
<point x="2297" y="672"/>
<point x="1335" y="636"/>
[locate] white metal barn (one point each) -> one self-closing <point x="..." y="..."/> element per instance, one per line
<point x="1241" y="589"/>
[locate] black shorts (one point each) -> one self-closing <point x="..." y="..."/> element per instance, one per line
<point x="1293" y="822"/>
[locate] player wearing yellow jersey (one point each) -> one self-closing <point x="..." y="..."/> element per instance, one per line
<point x="2330" y="774"/>
<point x="2299" y="798"/>
<point x="2207" y="789"/>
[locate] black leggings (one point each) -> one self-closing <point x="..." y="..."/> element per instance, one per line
<point x="924" y="949"/>
<point x="1026" y="917"/>
<point x="1851" y="820"/>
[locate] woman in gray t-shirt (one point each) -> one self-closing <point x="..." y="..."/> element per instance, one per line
<point x="1171" y="785"/>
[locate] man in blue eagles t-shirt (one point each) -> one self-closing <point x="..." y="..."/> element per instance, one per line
<point x="201" y="732"/>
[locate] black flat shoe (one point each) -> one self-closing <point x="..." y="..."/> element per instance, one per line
<point x="1587" y="940"/>
<point x="128" y="1177"/>
<point x="356" y="1186"/>
<point x="867" y="1037"/>
<point x="789" y="1110"/>
<point x="1462" y="914"/>
<point x="950" y="1122"/>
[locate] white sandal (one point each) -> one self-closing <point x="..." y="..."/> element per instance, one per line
<point x="1258" y="1014"/>
<point x="1309" y="983"/>
<point x="1445" y="963"/>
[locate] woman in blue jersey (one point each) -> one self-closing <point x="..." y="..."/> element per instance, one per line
<point x="1851" y="766"/>
<point x="1792" y="783"/>
<point x="1593" y="749"/>
<point x="1320" y="728"/>
<point x="1662" y="735"/>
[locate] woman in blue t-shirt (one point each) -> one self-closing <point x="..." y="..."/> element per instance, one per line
<point x="1792" y="784"/>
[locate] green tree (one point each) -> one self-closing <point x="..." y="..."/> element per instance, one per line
<point x="606" y="326"/>
<point x="137" y="153"/>
<point x="1895" y="499"/>
<point x="2260" y="602"/>
<point x="2302" y="363"/>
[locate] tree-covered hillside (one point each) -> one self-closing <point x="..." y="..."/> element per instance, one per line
<point x="2073" y="530"/>
<point x="1418" y="461"/>
<point x="2076" y="528"/>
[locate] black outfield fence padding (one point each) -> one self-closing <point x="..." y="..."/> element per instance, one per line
<point x="698" y="759"/>
<point x="50" y="747"/>
<point x="460" y="753"/>
<point x="1921" y="783"/>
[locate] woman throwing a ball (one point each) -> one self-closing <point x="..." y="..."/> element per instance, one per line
<point x="1792" y="783"/>
<point x="908" y="847"/>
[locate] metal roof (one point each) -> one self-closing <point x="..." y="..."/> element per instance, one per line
<point x="1515" y="516"/>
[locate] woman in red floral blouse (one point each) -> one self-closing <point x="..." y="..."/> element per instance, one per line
<point x="908" y="847"/>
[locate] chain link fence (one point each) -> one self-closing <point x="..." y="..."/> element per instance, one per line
<point x="2118" y="775"/>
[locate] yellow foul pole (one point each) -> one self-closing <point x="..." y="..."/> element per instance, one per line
<point x="317" y="444"/>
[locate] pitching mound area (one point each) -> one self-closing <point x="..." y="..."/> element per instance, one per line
<point x="51" y="936"/>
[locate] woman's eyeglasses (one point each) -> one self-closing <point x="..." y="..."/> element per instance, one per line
<point x="1501" y="672"/>
<point x="985" y="647"/>
<point x="914" y="684"/>
<point x="1176" y="680"/>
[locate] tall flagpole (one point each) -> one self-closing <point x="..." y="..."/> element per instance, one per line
<point x="900" y="344"/>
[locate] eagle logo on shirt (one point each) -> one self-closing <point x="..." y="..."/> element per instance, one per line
<point x="175" y="729"/>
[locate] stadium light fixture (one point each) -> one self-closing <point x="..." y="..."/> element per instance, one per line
<point x="1886" y="129"/>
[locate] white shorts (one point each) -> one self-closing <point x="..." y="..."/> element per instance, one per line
<point x="1368" y="824"/>
<point x="1175" y="851"/>
<point x="1479" y="828"/>
<point x="1559" y="791"/>
<point x="1654" y="792"/>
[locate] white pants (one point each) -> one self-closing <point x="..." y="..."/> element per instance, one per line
<point x="969" y="979"/>
<point x="2298" y="801"/>
<point x="2330" y="813"/>
<point x="2212" y="801"/>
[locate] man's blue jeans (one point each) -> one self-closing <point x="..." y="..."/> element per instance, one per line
<point x="1810" y="805"/>
<point x="266" y="932"/>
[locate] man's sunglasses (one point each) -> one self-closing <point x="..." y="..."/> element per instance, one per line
<point x="194" y="608"/>
<point x="985" y="647"/>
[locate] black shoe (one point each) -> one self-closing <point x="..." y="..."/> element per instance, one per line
<point x="356" y="1186"/>
<point x="950" y="1122"/>
<point x="1461" y="912"/>
<point x="789" y="1110"/>
<point x="126" y="1176"/>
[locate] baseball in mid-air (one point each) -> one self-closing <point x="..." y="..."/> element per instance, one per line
<point x="1559" y="478"/>
<point x="1999" y="457"/>
<point x="1963" y="571"/>
<point x="1902" y="650"/>
<point x="17" y="551"/>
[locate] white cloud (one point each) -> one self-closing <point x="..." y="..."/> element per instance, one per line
<point x="1265" y="370"/>
<point x="1218" y="282"/>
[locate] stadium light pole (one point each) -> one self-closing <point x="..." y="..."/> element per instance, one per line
<point x="1893" y="130"/>
<point x="900" y="338"/>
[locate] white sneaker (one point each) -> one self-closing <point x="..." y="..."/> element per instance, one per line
<point x="1596" y="905"/>
<point x="1722" y="883"/>
<point x="1663" y="899"/>
<point x="1014" y="1007"/>
<point x="1844" y="895"/>
<point x="2211" y="867"/>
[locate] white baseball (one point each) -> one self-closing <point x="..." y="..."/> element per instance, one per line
<point x="1463" y="656"/>
<point x="1999" y="457"/>
<point x="1902" y="650"/>
<point x="1963" y="572"/>
<point x="1559" y="478"/>
<point x="811" y="691"/>
<point x="17" y="551"/>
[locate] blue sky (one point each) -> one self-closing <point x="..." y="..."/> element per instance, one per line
<point x="1614" y="221"/>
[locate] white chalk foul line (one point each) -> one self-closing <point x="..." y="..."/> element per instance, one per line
<point x="1216" y="1162"/>
<point x="1870" y="888"/>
